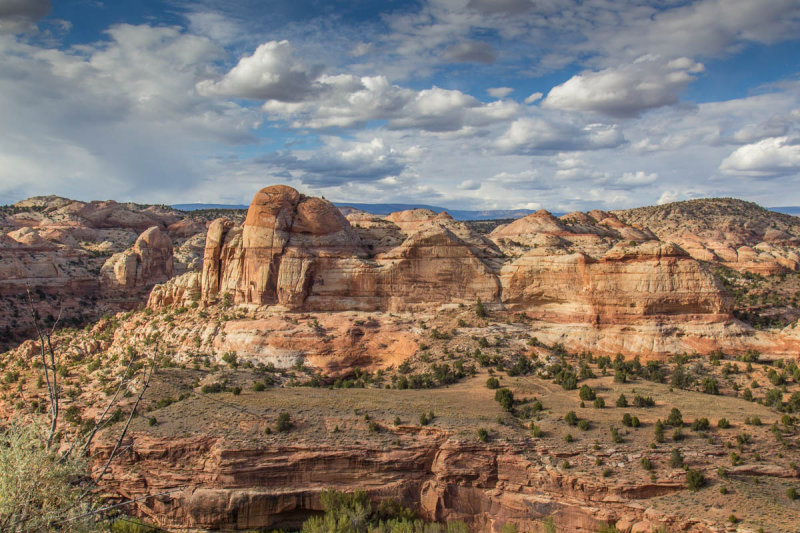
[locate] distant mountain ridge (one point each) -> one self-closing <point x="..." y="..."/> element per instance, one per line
<point x="787" y="209"/>
<point x="385" y="209"/>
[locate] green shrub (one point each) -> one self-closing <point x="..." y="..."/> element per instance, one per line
<point x="231" y="359"/>
<point x="505" y="398"/>
<point x="695" y="480"/>
<point x="480" y="310"/>
<point x="723" y="423"/>
<point x="643" y="401"/>
<point x="752" y="421"/>
<point x="675" y="417"/>
<point x="710" y="386"/>
<point x="571" y="418"/>
<point x="701" y="424"/>
<point x="599" y="403"/>
<point x="284" y="422"/>
<point x="483" y="435"/>
<point x="586" y="393"/>
<point x="658" y="430"/>
<point x="73" y="415"/>
<point x="493" y="383"/>
<point x="212" y="388"/>
<point x="40" y="490"/>
<point x="676" y="459"/>
<point x="630" y="421"/>
<point x="622" y="401"/>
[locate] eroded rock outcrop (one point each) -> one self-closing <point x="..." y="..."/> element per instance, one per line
<point x="588" y="272"/>
<point x="179" y="291"/>
<point x="302" y="253"/>
<point x="626" y="285"/>
<point x="57" y="247"/>
<point x="444" y="478"/>
<point x="147" y="262"/>
<point x="740" y="235"/>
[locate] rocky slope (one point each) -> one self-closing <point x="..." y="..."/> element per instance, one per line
<point x="588" y="275"/>
<point x="200" y="453"/>
<point x="84" y="259"/>
<point x="301" y="253"/>
<point x="738" y="234"/>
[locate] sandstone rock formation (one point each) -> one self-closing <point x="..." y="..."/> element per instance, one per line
<point x="147" y="262"/>
<point x="445" y="478"/>
<point x="738" y="234"/>
<point x="627" y="284"/>
<point x="179" y="291"/>
<point x="302" y="253"/>
<point x="57" y="248"/>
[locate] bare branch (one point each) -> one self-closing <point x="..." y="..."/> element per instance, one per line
<point x="99" y="422"/>
<point x="52" y="385"/>
<point x="122" y="504"/>
<point x="111" y="457"/>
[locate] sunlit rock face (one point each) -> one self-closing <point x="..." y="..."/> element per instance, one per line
<point x="148" y="261"/>
<point x="302" y="253"/>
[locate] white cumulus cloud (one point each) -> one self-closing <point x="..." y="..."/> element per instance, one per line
<point x="499" y="92"/>
<point x="539" y="135"/>
<point x="310" y="99"/>
<point x="776" y="156"/>
<point x="272" y="72"/>
<point x="625" y="91"/>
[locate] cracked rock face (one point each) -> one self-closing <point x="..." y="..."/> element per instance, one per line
<point x="148" y="261"/>
<point x="302" y="253"/>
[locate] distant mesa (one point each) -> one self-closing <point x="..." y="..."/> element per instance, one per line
<point x="386" y="209"/>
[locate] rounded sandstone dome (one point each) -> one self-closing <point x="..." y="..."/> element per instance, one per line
<point x="318" y="217"/>
<point x="272" y="207"/>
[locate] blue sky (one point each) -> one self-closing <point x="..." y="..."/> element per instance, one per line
<point x="465" y="103"/>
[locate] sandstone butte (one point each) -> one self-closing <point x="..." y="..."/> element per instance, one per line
<point x="588" y="280"/>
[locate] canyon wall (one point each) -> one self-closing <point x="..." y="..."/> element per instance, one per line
<point x="301" y="253"/>
<point x="216" y="485"/>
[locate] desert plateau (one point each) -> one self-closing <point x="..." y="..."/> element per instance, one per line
<point x="553" y="372"/>
<point x="404" y="266"/>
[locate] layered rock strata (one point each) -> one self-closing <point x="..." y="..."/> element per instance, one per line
<point x="301" y="253"/>
<point x="147" y="262"/>
<point x="211" y="485"/>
